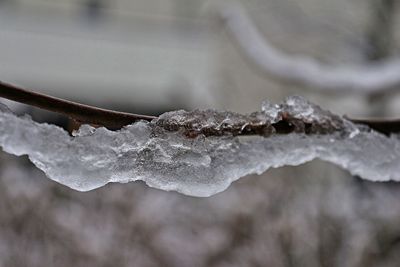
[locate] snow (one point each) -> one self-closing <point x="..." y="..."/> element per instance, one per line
<point x="200" y="153"/>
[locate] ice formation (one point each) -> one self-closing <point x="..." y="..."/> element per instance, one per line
<point x="200" y="153"/>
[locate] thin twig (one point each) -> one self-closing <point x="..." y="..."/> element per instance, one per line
<point x="385" y="126"/>
<point x="115" y="119"/>
<point x="79" y="112"/>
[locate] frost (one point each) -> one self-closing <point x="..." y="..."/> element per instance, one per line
<point x="201" y="153"/>
<point x="270" y="110"/>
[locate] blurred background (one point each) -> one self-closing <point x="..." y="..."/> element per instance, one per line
<point x="152" y="56"/>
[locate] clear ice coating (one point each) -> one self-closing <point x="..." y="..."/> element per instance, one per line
<point x="199" y="153"/>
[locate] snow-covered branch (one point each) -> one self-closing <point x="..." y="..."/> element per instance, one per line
<point x="305" y="70"/>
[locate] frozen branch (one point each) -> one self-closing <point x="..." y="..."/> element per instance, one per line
<point x="304" y="70"/>
<point x="163" y="154"/>
<point x="198" y="153"/>
<point x="253" y="124"/>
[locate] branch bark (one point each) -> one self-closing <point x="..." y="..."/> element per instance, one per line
<point x="115" y="119"/>
<point x="79" y="112"/>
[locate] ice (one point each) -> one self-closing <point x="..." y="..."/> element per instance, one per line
<point x="201" y="152"/>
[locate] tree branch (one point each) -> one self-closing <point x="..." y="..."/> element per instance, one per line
<point x="115" y="119"/>
<point x="79" y="112"/>
<point x="385" y="126"/>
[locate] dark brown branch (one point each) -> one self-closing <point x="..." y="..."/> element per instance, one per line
<point x="79" y="112"/>
<point x="115" y="119"/>
<point x="385" y="126"/>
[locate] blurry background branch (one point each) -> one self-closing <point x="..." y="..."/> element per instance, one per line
<point x="382" y="75"/>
